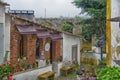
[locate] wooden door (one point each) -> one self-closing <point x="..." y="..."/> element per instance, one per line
<point x="74" y="53"/>
<point x="52" y="51"/>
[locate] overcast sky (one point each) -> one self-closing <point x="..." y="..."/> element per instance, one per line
<point x="54" y="8"/>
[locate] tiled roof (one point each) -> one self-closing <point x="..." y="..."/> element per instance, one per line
<point x="32" y="21"/>
<point x="42" y="26"/>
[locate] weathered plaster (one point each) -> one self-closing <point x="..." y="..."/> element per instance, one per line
<point x="68" y="42"/>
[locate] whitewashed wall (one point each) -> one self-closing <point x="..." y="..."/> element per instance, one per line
<point x="115" y="30"/>
<point x="68" y="42"/>
<point x="2" y="21"/>
<point x="7" y="34"/>
<point x="56" y="68"/>
<point x="2" y="14"/>
<point x="59" y="66"/>
<point x="32" y="75"/>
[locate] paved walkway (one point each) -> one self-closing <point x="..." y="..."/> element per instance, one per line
<point x="70" y="76"/>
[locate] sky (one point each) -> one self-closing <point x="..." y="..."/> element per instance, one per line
<point x="46" y="8"/>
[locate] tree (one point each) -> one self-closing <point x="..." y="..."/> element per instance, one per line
<point x="67" y="27"/>
<point x="96" y="9"/>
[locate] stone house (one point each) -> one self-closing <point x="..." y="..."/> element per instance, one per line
<point x="32" y="41"/>
<point x="27" y="41"/>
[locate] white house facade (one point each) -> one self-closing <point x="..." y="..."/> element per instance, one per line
<point x="71" y="48"/>
<point x="2" y="30"/>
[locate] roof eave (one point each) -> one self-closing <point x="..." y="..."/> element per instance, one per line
<point x="34" y="22"/>
<point x="115" y="19"/>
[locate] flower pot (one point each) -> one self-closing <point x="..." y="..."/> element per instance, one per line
<point x="5" y="78"/>
<point x="24" y="58"/>
<point x="18" y="59"/>
<point x="78" y="77"/>
<point x="92" y="78"/>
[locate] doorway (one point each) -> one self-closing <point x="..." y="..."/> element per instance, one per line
<point x="74" y="53"/>
<point x="38" y="49"/>
<point x="52" y="51"/>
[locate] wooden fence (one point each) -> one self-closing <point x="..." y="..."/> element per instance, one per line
<point x="86" y="46"/>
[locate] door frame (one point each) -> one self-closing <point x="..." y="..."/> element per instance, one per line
<point x="76" y="54"/>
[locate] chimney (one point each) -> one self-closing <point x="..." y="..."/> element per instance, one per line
<point x="77" y="30"/>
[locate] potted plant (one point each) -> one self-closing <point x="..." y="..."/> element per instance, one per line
<point x="58" y="60"/>
<point x="47" y="61"/>
<point x="23" y="66"/>
<point x="19" y="57"/>
<point x="24" y="58"/>
<point x="79" y="73"/>
<point x="35" y="65"/>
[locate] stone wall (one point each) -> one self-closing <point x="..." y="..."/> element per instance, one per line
<point x="14" y="40"/>
<point x="14" y="44"/>
<point x="31" y="45"/>
<point x="47" y="53"/>
<point x="57" y="50"/>
<point x="31" y="48"/>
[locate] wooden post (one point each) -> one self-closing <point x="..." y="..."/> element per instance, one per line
<point x="108" y="33"/>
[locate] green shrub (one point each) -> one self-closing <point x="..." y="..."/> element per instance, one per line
<point x="104" y="61"/>
<point x="108" y="73"/>
<point x="67" y="27"/>
<point x="5" y="70"/>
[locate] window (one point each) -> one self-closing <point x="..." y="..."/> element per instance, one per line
<point x="23" y="46"/>
<point x="38" y="49"/>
